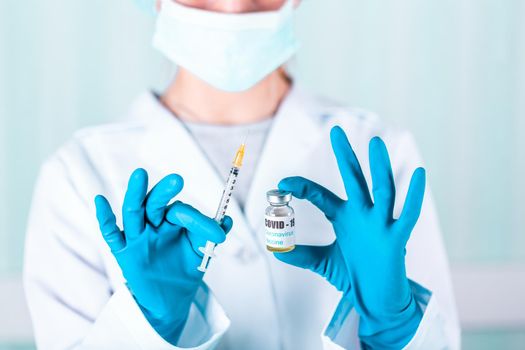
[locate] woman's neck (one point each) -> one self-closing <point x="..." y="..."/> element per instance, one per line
<point x="192" y="100"/>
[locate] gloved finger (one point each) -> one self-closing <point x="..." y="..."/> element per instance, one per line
<point x="197" y="224"/>
<point x="197" y="242"/>
<point x="108" y="225"/>
<point x="413" y="203"/>
<point x="319" y="196"/>
<point x="383" y="186"/>
<point x="349" y="167"/>
<point x="160" y="195"/>
<point x="133" y="212"/>
<point x="227" y="224"/>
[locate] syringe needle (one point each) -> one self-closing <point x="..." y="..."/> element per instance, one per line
<point x="246" y="137"/>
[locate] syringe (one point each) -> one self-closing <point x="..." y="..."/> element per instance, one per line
<point x="221" y="210"/>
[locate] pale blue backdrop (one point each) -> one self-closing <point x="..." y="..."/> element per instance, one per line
<point x="452" y="71"/>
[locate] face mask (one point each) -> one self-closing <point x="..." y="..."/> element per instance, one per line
<point x="231" y="52"/>
<point x="148" y="6"/>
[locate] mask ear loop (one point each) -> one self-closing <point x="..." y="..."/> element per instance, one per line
<point x="274" y="88"/>
<point x="283" y="71"/>
<point x="147" y="6"/>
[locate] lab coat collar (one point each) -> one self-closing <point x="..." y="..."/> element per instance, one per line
<point x="168" y="147"/>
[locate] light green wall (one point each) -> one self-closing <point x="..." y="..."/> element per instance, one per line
<point x="509" y="340"/>
<point x="64" y="65"/>
<point x="451" y="71"/>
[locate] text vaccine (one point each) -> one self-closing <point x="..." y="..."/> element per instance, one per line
<point x="279" y="222"/>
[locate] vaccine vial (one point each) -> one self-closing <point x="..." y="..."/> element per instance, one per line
<point x="279" y="222"/>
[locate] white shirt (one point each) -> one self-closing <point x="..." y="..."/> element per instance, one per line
<point x="75" y="288"/>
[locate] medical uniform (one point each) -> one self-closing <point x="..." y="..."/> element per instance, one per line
<point x="250" y="300"/>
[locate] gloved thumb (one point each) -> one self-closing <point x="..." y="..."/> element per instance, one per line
<point x="307" y="257"/>
<point x="326" y="261"/>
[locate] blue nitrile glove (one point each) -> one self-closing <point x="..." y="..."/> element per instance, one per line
<point x="158" y="249"/>
<point x="367" y="260"/>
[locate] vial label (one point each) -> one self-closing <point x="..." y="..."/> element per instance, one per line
<point x="280" y="231"/>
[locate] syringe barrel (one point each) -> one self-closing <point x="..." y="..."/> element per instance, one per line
<point x="223" y="205"/>
<point x="227" y="194"/>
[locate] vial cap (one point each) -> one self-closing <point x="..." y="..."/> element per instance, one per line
<point x="278" y="196"/>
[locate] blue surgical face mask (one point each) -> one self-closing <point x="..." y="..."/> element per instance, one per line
<point x="231" y="52"/>
<point x="148" y="6"/>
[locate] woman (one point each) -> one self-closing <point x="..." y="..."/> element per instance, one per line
<point x="135" y="283"/>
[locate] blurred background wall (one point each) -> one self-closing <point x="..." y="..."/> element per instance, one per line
<point x="451" y="71"/>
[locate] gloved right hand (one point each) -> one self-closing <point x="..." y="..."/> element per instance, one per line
<point x="158" y="249"/>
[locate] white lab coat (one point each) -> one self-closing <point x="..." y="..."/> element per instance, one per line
<point x="75" y="289"/>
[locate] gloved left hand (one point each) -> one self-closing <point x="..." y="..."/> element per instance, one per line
<point x="367" y="260"/>
<point x="158" y="251"/>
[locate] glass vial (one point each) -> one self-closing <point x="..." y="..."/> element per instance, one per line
<point x="279" y="222"/>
